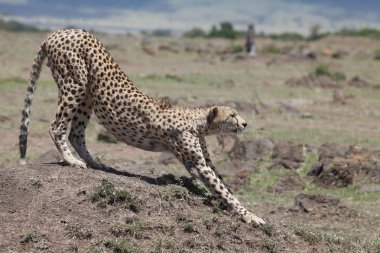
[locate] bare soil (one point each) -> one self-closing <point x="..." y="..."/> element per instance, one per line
<point x="49" y="208"/>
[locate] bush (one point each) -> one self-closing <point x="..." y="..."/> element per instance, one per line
<point x="237" y="48"/>
<point x="324" y="70"/>
<point x="226" y="30"/>
<point x="364" y="32"/>
<point x="287" y="36"/>
<point x="161" y="32"/>
<point x="195" y="32"/>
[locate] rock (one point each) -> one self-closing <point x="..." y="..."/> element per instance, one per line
<point x="230" y="168"/>
<point x="288" y="154"/>
<point x="291" y="181"/>
<point x="149" y="50"/>
<point x="341" y="98"/>
<point x="337" y="173"/>
<point x="4" y="119"/>
<point x="314" y="203"/>
<point x="339" y="54"/>
<point x="242" y="179"/>
<point x="359" y="82"/>
<point x="340" y="166"/>
<point x="251" y="149"/>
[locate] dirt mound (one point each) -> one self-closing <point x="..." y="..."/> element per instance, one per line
<point x="290" y="181"/>
<point x="53" y="208"/>
<point x="4" y="119"/>
<point x="240" y="180"/>
<point x="313" y="81"/>
<point x="319" y="205"/>
<point x="340" y="166"/>
<point x="244" y="150"/>
<point x="359" y="82"/>
<point x="341" y="98"/>
<point x="288" y="154"/>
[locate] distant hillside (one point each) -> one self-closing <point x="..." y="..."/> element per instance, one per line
<point x="15" y="26"/>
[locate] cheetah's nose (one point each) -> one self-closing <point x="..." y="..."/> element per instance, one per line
<point x="244" y="124"/>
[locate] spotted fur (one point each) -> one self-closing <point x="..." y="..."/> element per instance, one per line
<point x="89" y="80"/>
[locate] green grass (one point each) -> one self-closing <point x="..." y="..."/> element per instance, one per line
<point x="121" y="246"/>
<point x="325" y="70"/>
<point x="106" y="194"/>
<point x="270" y="245"/>
<point x="272" y="49"/>
<point x="173" y="191"/>
<point x="263" y="178"/>
<point x="16" y="83"/>
<point x="165" y="245"/>
<point x="339" y="243"/>
<point x="133" y="227"/>
<point x="31" y="237"/>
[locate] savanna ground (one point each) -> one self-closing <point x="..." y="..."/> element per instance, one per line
<point x="147" y="204"/>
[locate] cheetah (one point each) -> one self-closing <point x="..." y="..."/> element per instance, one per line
<point x="89" y="80"/>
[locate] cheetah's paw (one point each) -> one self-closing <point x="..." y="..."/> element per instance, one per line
<point x="250" y="217"/>
<point x="76" y="163"/>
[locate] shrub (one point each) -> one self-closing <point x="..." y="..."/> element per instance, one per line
<point x="195" y="32"/>
<point x="237" y="48"/>
<point x="324" y="70"/>
<point x="225" y="30"/>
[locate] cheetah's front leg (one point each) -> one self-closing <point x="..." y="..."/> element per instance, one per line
<point x="209" y="163"/>
<point x="196" y="162"/>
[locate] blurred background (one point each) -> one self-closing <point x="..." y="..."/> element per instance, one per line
<point x="179" y="16"/>
<point x="304" y="74"/>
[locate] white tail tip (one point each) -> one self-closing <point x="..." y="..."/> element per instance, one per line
<point x="22" y="162"/>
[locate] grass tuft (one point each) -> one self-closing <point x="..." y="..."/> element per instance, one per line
<point x="133" y="227"/>
<point x="106" y="194"/>
<point x="267" y="229"/>
<point x="77" y="231"/>
<point x="270" y="245"/>
<point x="30" y="237"/>
<point x="121" y="246"/>
<point x="164" y="245"/>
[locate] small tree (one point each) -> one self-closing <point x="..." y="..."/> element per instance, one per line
<point x="226" y="31"/>
<point x="195" y="32"/>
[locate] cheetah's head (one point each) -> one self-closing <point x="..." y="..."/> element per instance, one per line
<point x="224" y="120"/>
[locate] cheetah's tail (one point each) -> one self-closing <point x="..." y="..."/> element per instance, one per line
<point x="34" y="74"/>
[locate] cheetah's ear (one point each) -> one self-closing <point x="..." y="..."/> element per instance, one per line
<point x="212" y="114"/>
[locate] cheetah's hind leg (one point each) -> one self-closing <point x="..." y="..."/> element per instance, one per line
<point x="77" y="133"/>
<point x="67" y="106"/>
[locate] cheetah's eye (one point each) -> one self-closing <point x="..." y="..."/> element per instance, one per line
<point x="233" y="115"/>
